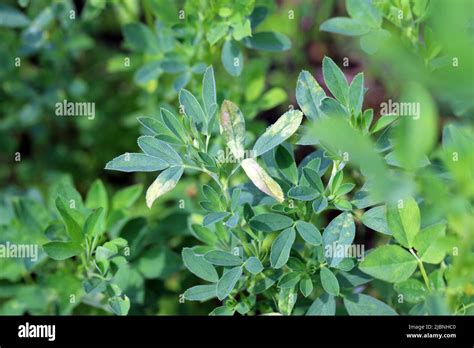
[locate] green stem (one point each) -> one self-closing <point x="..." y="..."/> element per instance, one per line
<point x="422" y="269"/>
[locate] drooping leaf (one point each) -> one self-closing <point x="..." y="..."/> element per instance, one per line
<point x="278" y="132"/>
<point x="199" y="266"/>
<point x="164" y="183"/>
<point x="261" y="179"/>
<point x="281" y="247"/>
<point x="390" y="263"/>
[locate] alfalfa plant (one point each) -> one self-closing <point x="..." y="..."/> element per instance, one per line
<point x="265" y="245"/>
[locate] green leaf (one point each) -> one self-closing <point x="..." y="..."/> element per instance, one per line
<point x="159" y="149"/>
<point x="193" y="110"/>
<point x="119" y="305"/>
<point x="232" y="128"/>
<point x="287" y="300"/>
<point x="212" y="218"/>
<point x="199" y="266"/>
<point x="204" y="234"/>
<point x="10" y="17"/>
<point x="413" y="290"/>
<point x="154" y="125"/>
<point x="227" y="283"/>
<point x="164" y="183"/>
<point x="173" y="124"/>
<point x="140" y="38"/>
<point x="308" y="232"/>
<point x="281" y="247"/>
<point x="136" y="162"/>
<point x="242" y="30"/>
<point x="335" y="81"/>
<point x="309" y="95"/>
<point x="216" y="33"/>
<point x="201" y="292"/>
<point x="267" y="41"/>
<point x="329" y="281"/>
<point x="222" y="311"/>
<point x="289" y="280"/>
<point x="72" y="226"/>
<point x="97" y="196"/>
<point x="158" y="262"/>
<point x="125" y="198"/>
<point x="364" y="11"/>
<point x="222" y="258"/>
<point x="286" y="164"/>
<point x="324" y="305"/>
<point x="62" y="250"/>
<point x="429" y="244"/>
<point x="374" y="40"/>
<point x="339" y="233"/>
<point x="278" y="132"/>
<point x="312" y="178"/>
<point x="356" y="93"/>
<point x="345" y="26"/>
<point x="261" y="179"/>
<point x="403" y="220"/>
<point x="270" y="222"/>
<point x="253" y="265"/>
<point x="303" y="193"/>
<point x="232" y="58"/>
<point x="272" y="98"/>
<point x="147" y="72"/>
<point x="319" y="204"/>
<point x="360" y="304"/>
<point x="209" y="95"/>
<point x="376" y="219"/>
<point x="94" y="224"/>
<point x="306" y="285"/>
<point x="383" y="122"/>
<point x="390" y="263"/>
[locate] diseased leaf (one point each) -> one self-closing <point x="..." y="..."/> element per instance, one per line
<point x="338" y="234"/>
<point x="390" y="263"/>
<point x="278" y="132"/>
<point x="309" y="95"/>
<point x="281" y="247"/>
<point x="232" y="128"/>
<point x="261" y="179"/>
<point x="164" y="183"/>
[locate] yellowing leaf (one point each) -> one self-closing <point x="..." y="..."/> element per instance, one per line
<point x="261" y="179"/>
<point x="232" y="127"/>
<point x="164" y="183"/>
